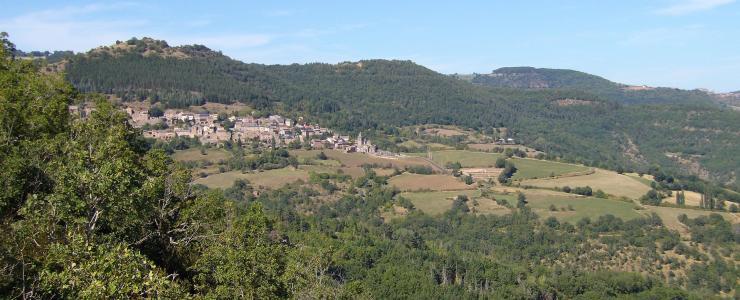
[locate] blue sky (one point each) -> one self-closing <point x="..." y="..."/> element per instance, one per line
<point x="678" y="43"/>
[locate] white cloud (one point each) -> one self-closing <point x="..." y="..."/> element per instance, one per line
<point x="691" y="6"/>
<point x="71" y="27"/>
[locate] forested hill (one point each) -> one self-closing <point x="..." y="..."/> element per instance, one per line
<point x="383" y="95"/>
<point x="542" y="78"/>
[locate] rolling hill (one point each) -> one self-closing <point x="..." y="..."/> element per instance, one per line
<point x="608" y="126"/>
<point x="542" y="78"/>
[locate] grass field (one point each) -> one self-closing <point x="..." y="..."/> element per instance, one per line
<point x="532" y="168"/>
<point x="466" y="158"/>
<point x="608" y="181"/>
<point x="447" y="132"/>
<point x="271" y="178"/>
<point x="645" y="179"/>
<point x="318" y="169"/>
<point x="669" y="215"/>
<point x="540" y="202"/>
<point x="415" y="182"/>
<point x="692" y="198"/>
<point x="358" y="159"/>
<point x="435" y="203"/>
<point x="213" y="155"/>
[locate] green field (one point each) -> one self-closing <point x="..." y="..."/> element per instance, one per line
<point x="269" y="178"/>
<point x="669" y="215"/>
<point x="212" y="155"/>
<point x="643" y="179"/>
<point x="467" y="159"/>
<point x="608" y="181"/>
<point x="355" y="159"/>
<point x="532" y="168"/>
<point x="435" y="182"/>
<point x="584" y="207"/>
<point x="436" y="203"/>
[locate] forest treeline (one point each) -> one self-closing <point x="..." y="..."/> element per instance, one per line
<point x="542" y="78"/>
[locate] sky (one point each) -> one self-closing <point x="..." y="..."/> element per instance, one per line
<point x="676" y="43"/>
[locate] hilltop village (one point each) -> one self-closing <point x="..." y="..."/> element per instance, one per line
<point x="271" y="131"/>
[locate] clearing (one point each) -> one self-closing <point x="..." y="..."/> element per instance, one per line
<point x="669" y="215"/>
<point x="436" y="203"/>
<point x="417" y="182"/>
<point x="270" y="178"/>
<point x="607" y="181"/>
<point x="468" y="159"/>
<point x="355" y="159"/>
<point x="540" y="202"/>
<point x="212" y="155"/>
<point x="533" y="168"/>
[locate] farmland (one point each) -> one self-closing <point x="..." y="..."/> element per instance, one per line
<point x="608" y="181"/>
<point x="417" y="182"/>
<point x="271" y="178"/>
<point x="360" y="159"/>
<point x="540" y="202"/>
<point x="532" y="168"/>
<point x="669" y="215"/>
<point x="212" y="155"/>
<point x="466" y="158"/>
<point x="435" y="203"/>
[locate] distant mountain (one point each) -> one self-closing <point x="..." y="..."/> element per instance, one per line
<point x="573" y="115"/>
<point x="541" y="78"/>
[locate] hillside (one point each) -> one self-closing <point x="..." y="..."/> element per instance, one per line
<point x="731" y="99"/>
<point x="382" y="95"/>
<point x="92" y="207"/>
<point x="542" y="78"/>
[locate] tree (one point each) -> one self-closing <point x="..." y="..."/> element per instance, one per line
<point x="7" y="46"/>
<point x="500" y="162"/>
<point x="246" y="261"/>
<point x="81" y="269"/>
<point x="155" y="111"/>
<point x="321" y="156"/>
<point x="652" y="197"/>
<point x="521" y="200"/>
<point x="468" y="179"/>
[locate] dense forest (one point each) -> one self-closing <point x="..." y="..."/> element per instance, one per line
<point x="612" y="128"/>
<point x="539" y="78"/>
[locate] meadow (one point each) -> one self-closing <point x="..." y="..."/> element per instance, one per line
<point x="358" y="159"/>
<point x="466" y="158"/>
<point x="669" y="215"/>
<point x="533" y="168"/>
<point x="540" y="202"/>
<point x="436" y="203"/>
<point x="270" y="178"/>
<point x="607" y="181"/>
<point x="194" y="154"/>
<point x="417" y="182"/>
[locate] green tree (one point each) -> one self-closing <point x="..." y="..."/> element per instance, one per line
<point x="247" y="261"/>
<point x="521" y="200"/>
